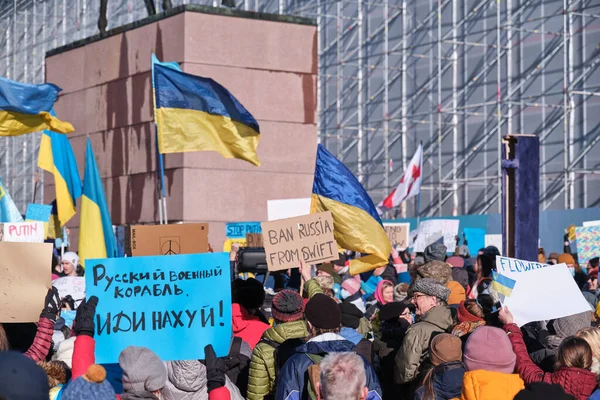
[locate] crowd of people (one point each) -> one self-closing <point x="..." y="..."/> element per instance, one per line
<point x="425" y="326"/>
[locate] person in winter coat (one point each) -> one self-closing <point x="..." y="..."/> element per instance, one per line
<point x="342" y="377"/>
<point x="92" y="385"/>
<point x="384" y="293"/>
<point x="351" y="292"/>
<point x="592" y="337"/>
<point x="288" y="312"/>
<point x="574" y="360"/>
<point x="434" y="317"/>
<point x="351" y="317"/>
<point x="247" y="296"/>
<point x="542" y="391"/>
<point x="324" y="320"/>
<point x="21" y="378"/>
<point x="459" y="273"/>
<point x="444" y="380"/>
<point x="485" y="265"/>
<point x="490" y="363"/>
<point x="470" y="317"/>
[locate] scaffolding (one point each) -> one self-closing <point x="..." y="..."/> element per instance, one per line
<point x="456" y="75"/>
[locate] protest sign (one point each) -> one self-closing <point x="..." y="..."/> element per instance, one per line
<point x="71" y="285"/>
<point x="229" y="242"/>
<point x="254" y="240"/>
<point x="591" y="223"/>
<point x="38" y="212"/>
<point x="155" y="240"/>
<point x="398" y="233"/>
<point x="475" y="239"/>
<point x="308" y="238"/>
<point x="26" y="278"/>
<point x="428" y="233"/>
<point x="29" y="232"/>
<point x="239" y="230"/>
<point x="559" y="298"/>
<point x="287" y="208"/>
<point x="494" y="240"/>
<point x="173" y="305"/>
<point x="588" y="243"/>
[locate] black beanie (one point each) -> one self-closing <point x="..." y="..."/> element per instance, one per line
<point x="248" y="293"/>
<point x="392" y="310"/>
<point x="323" y="312"/>
<point x="351" y="315"/>
<point x="543" y="391"/>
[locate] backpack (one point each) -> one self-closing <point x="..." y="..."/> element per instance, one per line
<point x="314" y="374"/>
<point x="238" y="366"/>
<point x="283" y="351"/>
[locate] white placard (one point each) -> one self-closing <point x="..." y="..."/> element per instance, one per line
<point x="591" y="223"/>
<point x="71" y="285"/>
<point x="494" y="240"/>
<point x="287" y="208"/>
<point x="429" y="232"/>
<point x="25" y="232"/>
<point x="559" y="298"/>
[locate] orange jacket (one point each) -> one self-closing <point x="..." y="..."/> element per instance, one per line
<point x="487" y="385"/>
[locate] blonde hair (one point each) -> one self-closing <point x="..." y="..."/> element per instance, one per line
<point x="592" y="336"/>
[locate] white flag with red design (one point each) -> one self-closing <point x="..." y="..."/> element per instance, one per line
<point x="409" y="186"/>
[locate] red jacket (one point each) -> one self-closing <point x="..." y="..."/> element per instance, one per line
<point x="247" y="327"/>
<point x="83" y="357"/>
<point x="575" y="381"/>
<point x="42" y="341"/>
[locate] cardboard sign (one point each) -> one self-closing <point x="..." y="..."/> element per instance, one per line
<point x="588" y="243"/>
<point x="287" y="208"/>
<point x="73" y="286"/>
<point x="429" y="229"/>
<point x="155" y="240"/>
<point x="38" y="212"/>
<point x="398" y="233"/>
<point x="254" y="240"/>
<point x="26" y="278"/>
<point x="559" y="298"/>
<point x="308" y="238"/>
<point x="229" y="242"/>
<point x="25" y="232"/>
<point x="149" y="301"/>
<point x="239" y="230"/>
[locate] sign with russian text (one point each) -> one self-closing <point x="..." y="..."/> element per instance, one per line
<point x="398" y="233"/>
<point x="173" y="305"/>
<point x="308" y="238"/>
<point x="541" y="291"/>
<point x="239" y="230"/>
<point x="25" y="232"/>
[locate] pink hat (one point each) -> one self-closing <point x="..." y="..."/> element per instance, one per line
<point x="351" y="285"/>
<point x="456" y="261"/>
<point x="379" y="290"/>
<point x="489" y="349"/>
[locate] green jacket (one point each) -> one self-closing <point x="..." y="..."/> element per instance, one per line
<point x="415" y="346"/>
<point x="262" y="366"/>
<point x="312" y="287"/>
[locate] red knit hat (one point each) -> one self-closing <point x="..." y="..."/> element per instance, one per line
<point x="287" y="306"/>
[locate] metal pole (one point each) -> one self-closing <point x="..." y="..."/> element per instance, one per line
<point x="543" y="123"/>
<point x="360" y="94"/>
<point x="565" y="105"/>
<point x="386" y="82"/>
<point x="454" y="106"/>
<point x="584" y="118"/>
<point x="404" y="103"/>
<point x="162" y="205"/>
<point x="509" y="65"/>
<point x="465" y="124"/>
<point x="439" y="106"/>
<point x="499" y="106"/>
<point x="571" y="111"/>
<point x="339" y="81"/>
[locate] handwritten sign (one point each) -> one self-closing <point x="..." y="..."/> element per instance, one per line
<point x="73" y="286"/>
<point x="229" y="243"/>
<point x="26" y="277"/>
<point x="154" y="240"/>
<point x="588" y="243"/>
<point x="398" y="233"/>
<point x="161" y="303"/>
<point x="38" y="212"/>
<point x="560" y="297"/>
<point x="308" y="238"/>
<point x="254" y="240"/>
<point x="27" y="232"/>
<point x="447" y="227"/>
<point x="239" y="230"/>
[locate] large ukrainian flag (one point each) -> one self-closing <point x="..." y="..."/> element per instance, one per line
<point x="25" y="108"/>
<point x="8" y="210"/>
<point x="96" y="237"/>
<point x="194" y="114"/>
<point x="356" y="222"/>
<point x="56" y="156"/>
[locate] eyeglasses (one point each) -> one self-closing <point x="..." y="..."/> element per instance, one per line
<point x="416" y="296"/>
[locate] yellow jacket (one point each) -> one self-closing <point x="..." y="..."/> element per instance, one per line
<point x="487" y="385"/>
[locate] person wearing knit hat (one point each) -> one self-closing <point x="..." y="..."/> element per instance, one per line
<point x="439" y="270"/>
<point x="435" y="251"/>
<point x="445" y="379"/>
<point x="543" y="391"/>
<point x="553" y="258"/>
<point x="247" y="296"/>
<point x="470" y="317"/>
<point x="457" y="293"/>
<point x="490" y="362"/>
<point x="351" y="317"/>
<point x="429" y="297"/>
<point x="143" y="372"/>
<point x="324" y="320"/>
<point x="327" y="269"/>
<point x="69" y="263"/>
<point x="93" y="385"/>
<point x="351" y="292"/>
<point x="288" y="312"/>
<point x="21" y="378"/>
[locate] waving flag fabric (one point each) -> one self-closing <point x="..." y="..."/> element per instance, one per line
<point x="409" y="186"/>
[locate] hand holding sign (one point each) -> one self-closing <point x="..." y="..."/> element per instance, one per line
<point x="506" y="316"/>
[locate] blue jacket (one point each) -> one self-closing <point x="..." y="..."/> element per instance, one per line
<point x="595" y="395"/>
<point x="351" y="335"/>
<point x="291" y="378"/>
<point x="447" y="381"/>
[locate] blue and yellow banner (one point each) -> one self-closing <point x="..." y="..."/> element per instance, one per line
<point x="8" y="210"/>
<point x="25" y="108"/>
<point x="96" y="237"/>
<point x="56" y="156"/>
<point x="502" y="284"/>
<point x="193" y="113"/>
<point x="356" y="222"/>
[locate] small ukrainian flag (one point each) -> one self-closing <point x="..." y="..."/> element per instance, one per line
<point x="503" y="285"/>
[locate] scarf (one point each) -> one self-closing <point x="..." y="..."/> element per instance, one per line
<point x="379" y="291"/>
<point x="465" y="315"/>
<point x="466" y="327"/>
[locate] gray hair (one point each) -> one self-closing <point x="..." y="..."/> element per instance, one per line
<point x="342" y="376"/>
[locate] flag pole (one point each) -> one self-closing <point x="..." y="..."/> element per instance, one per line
<point x="162" y="200"/>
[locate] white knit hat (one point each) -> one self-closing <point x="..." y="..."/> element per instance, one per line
<point x="71" y="257"/>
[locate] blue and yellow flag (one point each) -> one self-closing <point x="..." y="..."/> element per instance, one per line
<point x="25" y="108"/>
<point x="194" y="114"/>
<point x="56" y="156"/>
<point x="8" y="210"/>
<point x="356" y="222"/>
<point x="503" y="285"/>
<point x="96" y="237"/>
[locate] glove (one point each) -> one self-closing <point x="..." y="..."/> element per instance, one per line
<point x="215" y="375"/>
<point x="51" y="305"/>
<point x="84" y="319"/>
